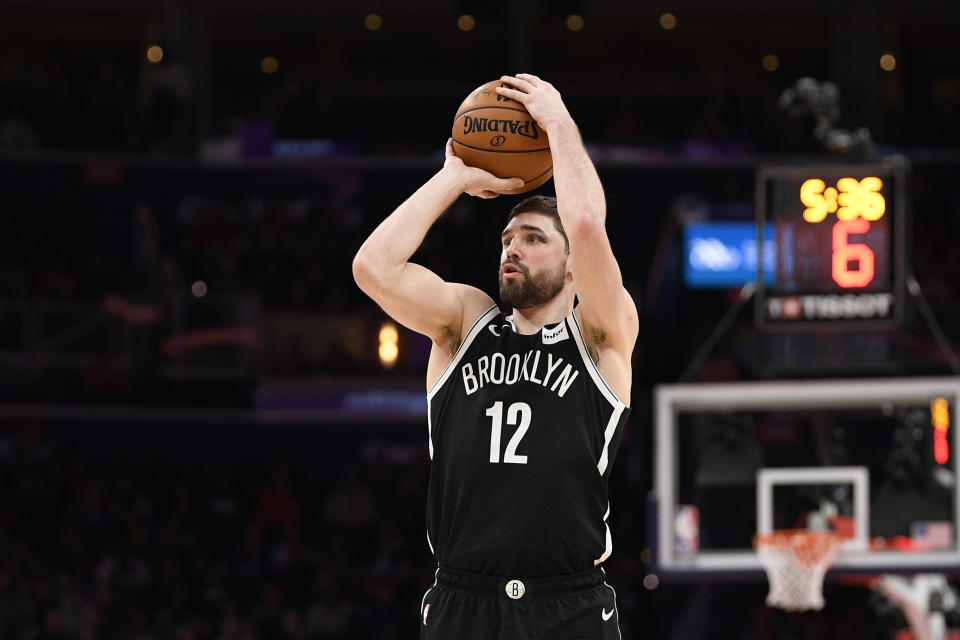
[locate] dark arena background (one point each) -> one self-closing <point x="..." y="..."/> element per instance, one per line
<point x="207" y="431"/>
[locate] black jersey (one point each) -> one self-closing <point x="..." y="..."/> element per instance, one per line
<point x="523" y="431"/>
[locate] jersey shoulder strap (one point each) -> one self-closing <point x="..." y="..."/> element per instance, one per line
<point x="478" y="326"/>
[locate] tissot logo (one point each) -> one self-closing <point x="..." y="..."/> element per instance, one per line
<point x="831" y="307"/>
<point x="557" y="334"/>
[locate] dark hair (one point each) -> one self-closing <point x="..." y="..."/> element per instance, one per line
<point x="546" y="205"/>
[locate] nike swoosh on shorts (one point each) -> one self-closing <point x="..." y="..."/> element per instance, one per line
<point x="605" y="615"/>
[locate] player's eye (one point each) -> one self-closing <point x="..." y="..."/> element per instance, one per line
<point x="534" y="239"/>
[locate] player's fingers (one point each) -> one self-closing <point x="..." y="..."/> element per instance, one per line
<point x="519" y="96"/>
<point x="529" y="78"/>
<point x="518" y="83"/>
<point x="449" y="151"/>
<point x="487" y="195"/>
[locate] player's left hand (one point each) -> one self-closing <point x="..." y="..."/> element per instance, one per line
<point x="540" y="98"/>
<point x="477" y="182"/>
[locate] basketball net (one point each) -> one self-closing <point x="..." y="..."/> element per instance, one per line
<point x="795" y="561"/>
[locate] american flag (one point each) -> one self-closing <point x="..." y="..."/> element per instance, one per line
<point x="932" y="535"/>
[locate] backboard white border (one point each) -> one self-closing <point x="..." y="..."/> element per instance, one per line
<point x="819" y="394"/>
<point x="859" y="477"/>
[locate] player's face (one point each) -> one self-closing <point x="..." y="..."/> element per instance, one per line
<point x="533" y="261"/>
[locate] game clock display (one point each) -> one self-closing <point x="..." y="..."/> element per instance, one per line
<point x="838" y="237"/>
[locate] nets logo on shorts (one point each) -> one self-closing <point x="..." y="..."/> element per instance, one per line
<point x="515" y="589"/>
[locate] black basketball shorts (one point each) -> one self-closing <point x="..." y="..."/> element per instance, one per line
<point x="469" y="606"/>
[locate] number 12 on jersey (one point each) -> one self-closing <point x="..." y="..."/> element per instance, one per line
<point x="516" y="412"/>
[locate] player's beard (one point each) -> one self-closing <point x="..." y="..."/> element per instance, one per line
<point x="532" y="290"/>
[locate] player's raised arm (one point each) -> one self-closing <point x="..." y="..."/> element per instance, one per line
<point x="605" y="306"/>
<point x="413" y="295"/>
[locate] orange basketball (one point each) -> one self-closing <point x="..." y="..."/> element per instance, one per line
<point x="497" y="134"/>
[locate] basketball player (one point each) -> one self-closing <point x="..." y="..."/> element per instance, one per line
<point x="526" y="409"/>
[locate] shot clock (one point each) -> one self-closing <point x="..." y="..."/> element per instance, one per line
<point x="838" y="232"/>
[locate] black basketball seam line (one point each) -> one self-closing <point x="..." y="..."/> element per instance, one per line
<point x="526" y="182"/>
<point x="550" y="168"/>
<point x="534" y="178"/>
<point x="470" y="146"/>
<point x="457" y="117"/>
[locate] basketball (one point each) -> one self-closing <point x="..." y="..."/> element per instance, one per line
<point x="497" y="134"/>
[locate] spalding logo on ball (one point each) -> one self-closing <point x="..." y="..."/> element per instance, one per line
<point x="497" y="134"/>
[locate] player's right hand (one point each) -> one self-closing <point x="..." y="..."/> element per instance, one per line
<point x="478" y="182"/>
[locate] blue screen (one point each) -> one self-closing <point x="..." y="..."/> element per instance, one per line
<point x="718" y="255"/>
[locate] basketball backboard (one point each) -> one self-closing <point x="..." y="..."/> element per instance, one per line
<point x="874" y="460"/>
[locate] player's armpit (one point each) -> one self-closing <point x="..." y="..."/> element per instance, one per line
<point x="420" y="300"/>
<point x="610" y="344"/>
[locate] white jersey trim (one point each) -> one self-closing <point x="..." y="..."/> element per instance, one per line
<point x="608" y="549"/>
<point x="607" y="437"/>
<point x="485" y="317"/>
<point x="605" y="391"/>
<point x="429" y="430"/>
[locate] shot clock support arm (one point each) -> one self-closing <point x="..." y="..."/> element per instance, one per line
<point x="745" y="295"/>
<point x="913" y="287"/>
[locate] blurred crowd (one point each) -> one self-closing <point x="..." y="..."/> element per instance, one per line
<point x="64" y="246"/>
<point x="285" y="247"/>
<point x="93" y="548"/>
